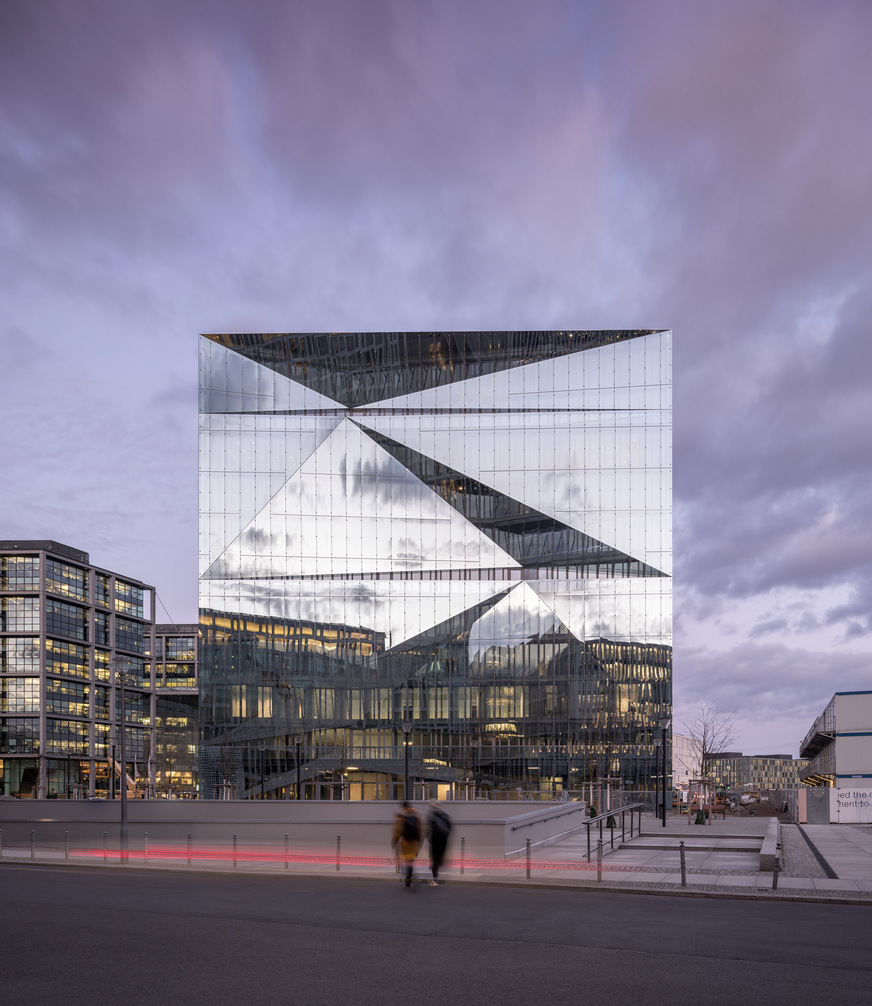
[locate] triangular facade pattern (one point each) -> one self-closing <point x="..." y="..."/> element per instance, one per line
<point x="352" y="508"/>
<point x="462" y="534"/>
<point x="357" y="368"/>
<point x="532" y="538"/>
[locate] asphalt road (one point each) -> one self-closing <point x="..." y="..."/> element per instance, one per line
<point x="91" y="936"/>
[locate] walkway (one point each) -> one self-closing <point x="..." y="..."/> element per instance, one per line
<point x="722" y="859"/>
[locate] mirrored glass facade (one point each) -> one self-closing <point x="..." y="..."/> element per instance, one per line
<point x="469" y="532"/>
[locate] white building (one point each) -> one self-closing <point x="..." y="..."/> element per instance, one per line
<point x="685" y="760"/>
<point x="839" y="744"/>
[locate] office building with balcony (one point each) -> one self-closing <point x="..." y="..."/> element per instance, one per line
<point x="69" y="632"/>
<point x="451" y="546"/>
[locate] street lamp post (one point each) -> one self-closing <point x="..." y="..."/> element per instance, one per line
<point x="120" y="681"/>
<point x="298" y="741"/>
<point x="664" y="725"/>
<point x="124" y="831"/>
<point x="261" y="749"/>
<point x="657" y="745"/>
<point x="112" y="766"/>
<point x="407" y="729"/>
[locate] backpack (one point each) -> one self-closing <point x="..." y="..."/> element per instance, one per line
<point x="411" y="828"/>
<point x="440" y="824"/>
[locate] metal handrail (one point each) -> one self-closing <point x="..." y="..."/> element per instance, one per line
<point x="575" y="810"/>
<point x="582" y="807"/>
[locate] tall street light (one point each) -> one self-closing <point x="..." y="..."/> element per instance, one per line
<point x="298" y="741"/>
<point x="657" y="745"/>
<point x="120" y="680"/>
<point x="664" y="726"/>
<point x="112" y="768"/>
<point x="407" y="729"/>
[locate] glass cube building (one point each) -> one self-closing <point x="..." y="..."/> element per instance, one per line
<point x="447" y="548"/>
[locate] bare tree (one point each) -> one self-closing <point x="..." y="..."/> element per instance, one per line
<point x="711" y="732"/>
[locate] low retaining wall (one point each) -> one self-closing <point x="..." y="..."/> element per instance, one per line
<point x="769" y="848"/>
<point x="490" y="829"/>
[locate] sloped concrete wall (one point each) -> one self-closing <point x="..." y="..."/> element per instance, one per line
<point x="490" y="828"/>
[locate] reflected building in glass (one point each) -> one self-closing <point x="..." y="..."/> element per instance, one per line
<point x="466" y="533"/>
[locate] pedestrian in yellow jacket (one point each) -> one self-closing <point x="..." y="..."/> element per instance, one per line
<point x="407" y="838"/>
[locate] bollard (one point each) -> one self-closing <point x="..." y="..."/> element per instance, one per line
<point x="105" y="854"/>
<point x="338" y="847"/>
<point x="1" y="843"/>
<point x="777" y="867"/>
<point x="286" y="852"/>
<point x="146" y="847"/>
<point x="462" y="854"/>
<point x="66" y="846"/>
<point x="32" y="845"/>
<point x="189" y="848"/>
<point x="234" y="850"/>
<point x="683" y="868"/>
<point x="528" y="859"/>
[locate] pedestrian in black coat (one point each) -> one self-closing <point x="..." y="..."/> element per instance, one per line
<point x="438" y="830"/>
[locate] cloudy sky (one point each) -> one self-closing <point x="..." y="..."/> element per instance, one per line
<point x="169" y="167"/>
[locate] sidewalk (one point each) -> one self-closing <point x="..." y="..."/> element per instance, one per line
<point x="722" y="860"/>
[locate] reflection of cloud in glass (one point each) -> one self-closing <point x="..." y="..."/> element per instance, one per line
<point x="521" y="617"/>
<point x="622" y="609"/>
<point x="351" y="508"/>
<point x="401" y="610"/>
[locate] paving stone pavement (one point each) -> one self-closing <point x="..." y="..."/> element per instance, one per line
<point x="797" y="859"/>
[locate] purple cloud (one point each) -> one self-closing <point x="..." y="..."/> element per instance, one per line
<point x="171" y="168"/>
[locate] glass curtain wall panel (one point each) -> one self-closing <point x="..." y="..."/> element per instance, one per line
<point x="464" y="533"/>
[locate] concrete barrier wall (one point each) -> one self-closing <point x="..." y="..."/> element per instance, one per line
<point x="769" y="848"/>
<point x="490" y="829"/>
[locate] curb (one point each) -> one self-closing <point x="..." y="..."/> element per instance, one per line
<point x="610" y="887"/>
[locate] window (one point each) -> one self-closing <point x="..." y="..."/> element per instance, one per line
<point x="101" y="665"/>
<point x="179" y="676"/>
<point x="64" y="619"/>
<point x="66" y="736"/>
<point x="19" y="695"/>
<point x="19" y="572"/>
<point x="68" y="580"/>
<point x="19" y="735"/>
<point x="128" y="635"/>
<point x="101" y="629"/>
<point x="68" y="698"/>
<point x="180" y="647"/>
<point x="101" y="740"/>
<point x="137" y="707"/>
<point x="66" y="658"/>
<point x="101" y="590"/>
<point x="101" y="702"/>
<point x="128" y="598"/>
<point x="19" y="614"/>
<point x="19" y="655"/>
<point x="137" y="673"/>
